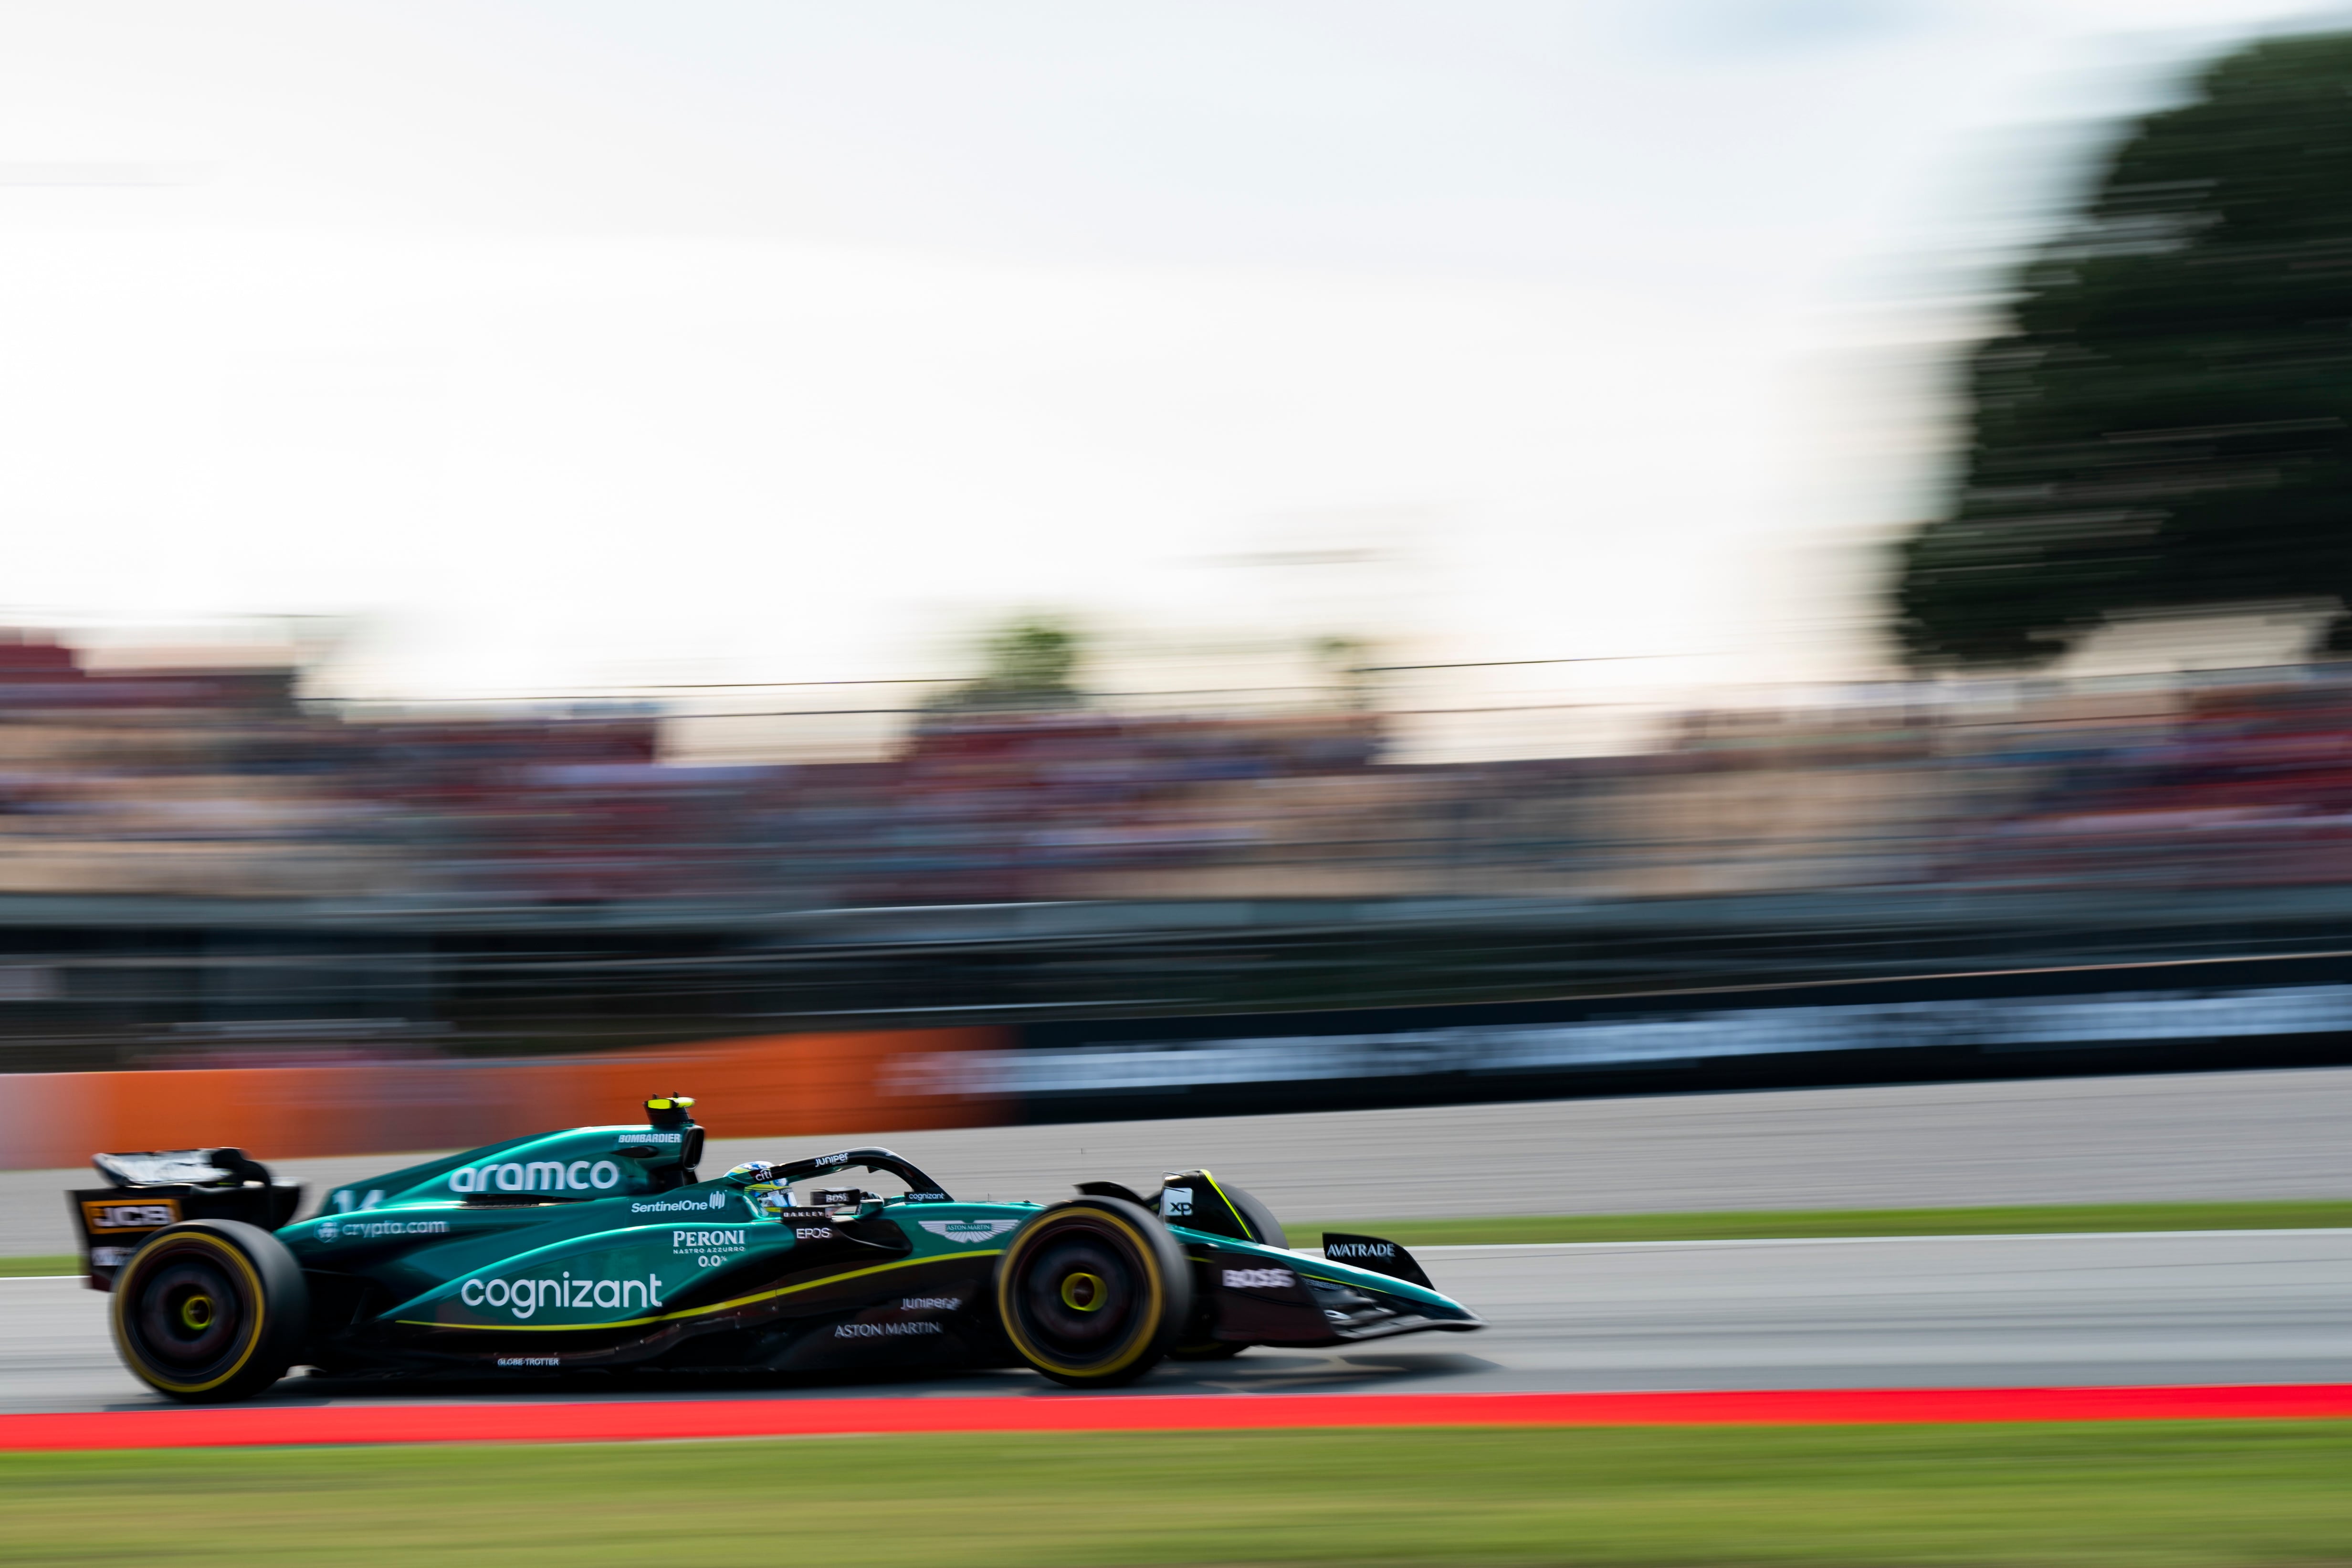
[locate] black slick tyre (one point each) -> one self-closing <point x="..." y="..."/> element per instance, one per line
<point x="210" y="1311"/>
<point x="1092" y="1293"/>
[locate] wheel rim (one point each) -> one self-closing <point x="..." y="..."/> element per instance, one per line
<point x="1082" y="1295"/>
<point x="187" y="1317"/>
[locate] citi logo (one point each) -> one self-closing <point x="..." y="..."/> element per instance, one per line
<point x="968" y="1230"/>
<point x="538" y="1176"/>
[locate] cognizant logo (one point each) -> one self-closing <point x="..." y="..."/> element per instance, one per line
<point x="538" y="1176"/>
<point x="525" y="1297"/>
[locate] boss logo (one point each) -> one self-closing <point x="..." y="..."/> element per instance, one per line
<point x="99" y="1214"/>
<point x="1259" y="1279"/>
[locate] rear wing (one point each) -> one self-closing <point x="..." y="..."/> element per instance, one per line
<point x="155" y="1187"/>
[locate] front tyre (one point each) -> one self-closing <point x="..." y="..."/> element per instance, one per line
<point x="1093" y="1293"/>
<point x="210" y="1311"/>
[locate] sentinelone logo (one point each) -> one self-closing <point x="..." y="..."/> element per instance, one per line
<point x="675" y="1206"/>
<point x="538" y="1176"/>
<point x="1993" y="1024"/>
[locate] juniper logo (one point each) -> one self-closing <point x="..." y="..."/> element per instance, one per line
<point x="537" y="1176"/>
<point x="968" y="1230"/>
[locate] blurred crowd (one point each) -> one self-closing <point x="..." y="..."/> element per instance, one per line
<point x="220" y="782"/>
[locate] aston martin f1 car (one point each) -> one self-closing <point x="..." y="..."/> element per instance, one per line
<point x="601" y="1247"/>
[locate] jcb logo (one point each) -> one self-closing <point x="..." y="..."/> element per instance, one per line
<point x="99" y="1214"/>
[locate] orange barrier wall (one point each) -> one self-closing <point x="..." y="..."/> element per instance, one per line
<point x="771" y="1086"/>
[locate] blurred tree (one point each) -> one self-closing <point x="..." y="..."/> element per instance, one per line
<point x="1031" y="662"/>
<point x="2167" y="422"/>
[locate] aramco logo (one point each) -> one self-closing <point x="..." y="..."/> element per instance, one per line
<point x="538" y="1176"/>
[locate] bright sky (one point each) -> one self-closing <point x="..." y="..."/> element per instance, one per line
<point x="576" y="343"/>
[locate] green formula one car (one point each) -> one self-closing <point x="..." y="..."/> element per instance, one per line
<point x="601" y="1247"/>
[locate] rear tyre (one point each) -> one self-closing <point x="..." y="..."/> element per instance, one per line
<point x="1093" y="1293"/>
<point x="210" y="1311"/>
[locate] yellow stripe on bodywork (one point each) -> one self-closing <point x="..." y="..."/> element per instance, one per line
<point x="695" y="1311"/>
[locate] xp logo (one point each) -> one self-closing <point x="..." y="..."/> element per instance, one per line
<point x="1176" y="1203"/>
<point x="538" y="1176"/>
<point x="968" y="1230"/>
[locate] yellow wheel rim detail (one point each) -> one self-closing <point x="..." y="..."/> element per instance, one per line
<point x="1152" y="1286"/>
<point x="196" y="1311"/>
<point x="1083" y="1293"/>
<point x="253" y="1329"/>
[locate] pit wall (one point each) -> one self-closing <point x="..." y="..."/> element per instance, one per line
<point x="771" y="1086"/>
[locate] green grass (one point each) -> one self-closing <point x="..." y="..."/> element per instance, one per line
<point x="2145" y="1496"/>
<point x="2022" y="1220"/>
<point x="55" y="1263"/>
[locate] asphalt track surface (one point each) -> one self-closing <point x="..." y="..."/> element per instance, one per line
<point x="2195" y="1308"/>
<point x="2184" y="1136"/>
